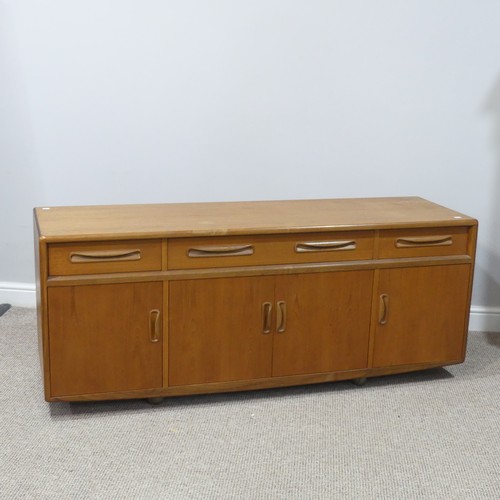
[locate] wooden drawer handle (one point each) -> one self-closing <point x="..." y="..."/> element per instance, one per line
<point x="424" y="241"/>
<point x="324" y="246"/>
<point x="104" y="255"/>
<point x="220" y="251"/>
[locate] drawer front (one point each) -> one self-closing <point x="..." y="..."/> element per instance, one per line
<point x="423" y="242"/>
<point x="104" y="257"/>
<point x="258" y="250"/>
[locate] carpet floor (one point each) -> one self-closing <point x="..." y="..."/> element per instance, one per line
<point x="426" y="435"/>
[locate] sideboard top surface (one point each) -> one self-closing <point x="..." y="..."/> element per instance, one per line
<point x="226" y="218"/>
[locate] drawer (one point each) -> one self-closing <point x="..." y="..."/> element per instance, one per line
<point x="104" y="257"/>
<point x="258" y="250"/>
<point x="423" y="242"/>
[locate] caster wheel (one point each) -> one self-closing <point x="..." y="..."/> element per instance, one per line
<point x="359" y="381"/>
<point x="155" y="401"/>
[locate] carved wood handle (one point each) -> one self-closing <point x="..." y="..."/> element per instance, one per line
<point x="324" y="246"/>
<point x="154" y="325"/>
<point x="267" y="308"/>
<point x="281" y="316"/>
<point x="424" y="241"/>
<point x="104" y="255"/>
<point x="220" y="251"/>
<point x="383" y="309"/>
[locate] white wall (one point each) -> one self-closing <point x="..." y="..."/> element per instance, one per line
<point x="158" y="101"/>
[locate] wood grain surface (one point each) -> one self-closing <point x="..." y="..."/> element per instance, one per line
<point x="100" y="338"/>
<point x="262" y="217"/>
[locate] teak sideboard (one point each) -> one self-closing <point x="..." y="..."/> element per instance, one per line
<point x="147" y="301"/>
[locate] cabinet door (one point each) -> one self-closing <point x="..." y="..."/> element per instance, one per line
<point x="322" y="322"/>
<point x="422" y="315"/>
<point x="217" y="329"/>
<point x="105" y="338"/>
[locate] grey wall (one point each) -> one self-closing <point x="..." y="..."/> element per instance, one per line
<point x="158" y="101"/>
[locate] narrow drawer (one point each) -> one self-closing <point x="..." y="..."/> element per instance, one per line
<point x="423" y="242"/>
<point x="258" y="250"/>
<point x="104" y="257"/>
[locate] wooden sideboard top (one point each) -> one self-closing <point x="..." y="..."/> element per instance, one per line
<point x="225" y="218"/>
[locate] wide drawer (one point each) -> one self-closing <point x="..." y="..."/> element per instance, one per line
<point x="104" y="257"/>
<point x="423" y="242"/>
<point x="257" y="250"/>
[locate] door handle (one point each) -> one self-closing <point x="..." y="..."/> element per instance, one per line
<point x="383" y="309"/>
<point x="281" y="316"/>
<point x="154" y="325"/>
<point x="267" y="308"/>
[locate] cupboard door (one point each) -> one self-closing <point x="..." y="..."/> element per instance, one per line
<point x="105" y="338"/>
<point x="217" y="329"/>
<point x="422" y="315"/>
<point x="322" y="322"/>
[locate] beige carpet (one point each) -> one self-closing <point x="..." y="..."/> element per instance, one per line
<point x="429" y="435"/>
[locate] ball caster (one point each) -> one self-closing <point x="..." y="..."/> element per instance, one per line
<point x="359" y="381"/>
<point x="155" y="401"/>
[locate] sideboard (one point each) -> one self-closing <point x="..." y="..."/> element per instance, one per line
<point x="148" y="301"/>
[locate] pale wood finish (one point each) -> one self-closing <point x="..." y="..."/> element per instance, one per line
<point x="271" y="249"/>
<point x="216" y="330"/>
<point x="317" y="267"/>
<point x="299" y="302"/>
<point x="374" y="316"/>
<point x="217" y="219"/>
<point x="471" y="250"/>
<point x="325" y="323"/>
<point x="108" y="257"/>
<point x="250" y="385"/>
<point x="428" y="242"/>
<point x="165" y="333"/>
<point x="100" y="338"/>
<point x="328" y="322"/>
<point x="425" y="316"/>
<point x="41" y="306"/>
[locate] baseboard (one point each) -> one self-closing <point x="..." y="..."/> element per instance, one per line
<point x="18" y="294"/>
<point x="485" y="319"/>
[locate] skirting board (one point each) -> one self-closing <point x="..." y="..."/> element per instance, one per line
<point x="485" y="319"/>
<point x="18" y="294"/>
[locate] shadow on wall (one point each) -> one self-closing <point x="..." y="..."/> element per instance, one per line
<point x="492" y="260"/>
